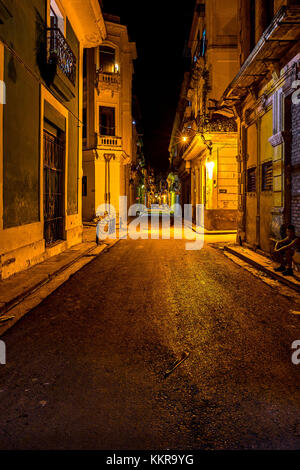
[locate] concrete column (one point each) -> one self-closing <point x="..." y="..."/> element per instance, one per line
<point x="91" y="74"/>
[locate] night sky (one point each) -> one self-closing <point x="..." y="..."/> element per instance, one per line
<point x="160" y="30"/>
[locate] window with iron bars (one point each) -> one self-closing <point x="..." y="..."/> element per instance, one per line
<point x="251" y="180"/>
<point x="267" y="176"/>
<point x="54" y="154"/>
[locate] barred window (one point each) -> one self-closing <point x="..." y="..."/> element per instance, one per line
<point x="251" y="180"/>
<point x="267" y="176"/>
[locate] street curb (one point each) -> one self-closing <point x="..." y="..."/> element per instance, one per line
<point x="12" y="303"/>
<point x="214" y="232"/>
<point x="219" y="233"/>
<point x="271" y="273"/>
<point x="8" y="306"/>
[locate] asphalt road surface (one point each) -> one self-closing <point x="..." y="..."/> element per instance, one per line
<point x="86" y="368"/>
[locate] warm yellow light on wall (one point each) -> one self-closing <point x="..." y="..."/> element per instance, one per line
<point x="210" y="169"/>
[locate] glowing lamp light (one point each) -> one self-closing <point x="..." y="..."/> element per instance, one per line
<point x="184" y="139"/>
<point x="117" y="67"/>
<point x="210" y="169"/>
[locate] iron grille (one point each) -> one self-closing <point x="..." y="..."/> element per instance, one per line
<point x="54" y="151"/>
<point x="267" y="176"/>
<point x="60" y="53"/>
<point x="251" y="180"/>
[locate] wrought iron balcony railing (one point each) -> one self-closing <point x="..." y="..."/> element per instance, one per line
<point x="60" y="53"/>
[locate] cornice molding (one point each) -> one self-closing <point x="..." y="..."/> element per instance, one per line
<point x="87" y="21"/>
<point x="279" y="138"/>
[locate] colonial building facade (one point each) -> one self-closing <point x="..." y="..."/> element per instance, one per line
<point x="40" y="125"/>
<point x="264" y="99"/>
<point x="107" y="138"/>
<point x="203" y="146"/>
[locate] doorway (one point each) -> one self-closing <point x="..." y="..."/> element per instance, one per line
<point x="54" y="156"/>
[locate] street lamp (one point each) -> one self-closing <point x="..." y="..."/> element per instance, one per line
<point x="210" y="169"/>
<point x="194" y="133"/>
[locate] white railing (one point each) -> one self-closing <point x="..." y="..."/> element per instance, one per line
<point x="107" y="80"/>
<point x="109" y="141"/>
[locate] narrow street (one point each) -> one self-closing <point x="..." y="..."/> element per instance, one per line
<point x="86" y="368"/>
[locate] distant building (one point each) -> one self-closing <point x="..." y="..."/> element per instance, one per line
<point x="41" y="61"/>
<point x="203" y="145"/>
<point x="137" y="182"/>
<point x="176" y="147"/>
<point x="108" y="130"/>
<point x="264" y="98"/>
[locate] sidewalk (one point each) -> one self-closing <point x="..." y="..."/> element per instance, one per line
<point x="264" y="264"/>
<point x="204" y="231"/>
<point x="16" y="289"/>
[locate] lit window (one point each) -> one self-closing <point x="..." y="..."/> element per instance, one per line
<point x="210" y="169"/>
<point x="203" y="43"/>
<point x="108" y="60"/>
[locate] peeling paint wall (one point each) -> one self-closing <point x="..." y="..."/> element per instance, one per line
<point x="266" y="197"/>
<point x="73" y="170"/>
<point x="21" y="117"/>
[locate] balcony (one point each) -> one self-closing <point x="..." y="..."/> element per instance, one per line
<point x="60" y="54"/>
<point x="105" y="142"/>
<point x="269" y="56"/>
<point x="107" y="81"/>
